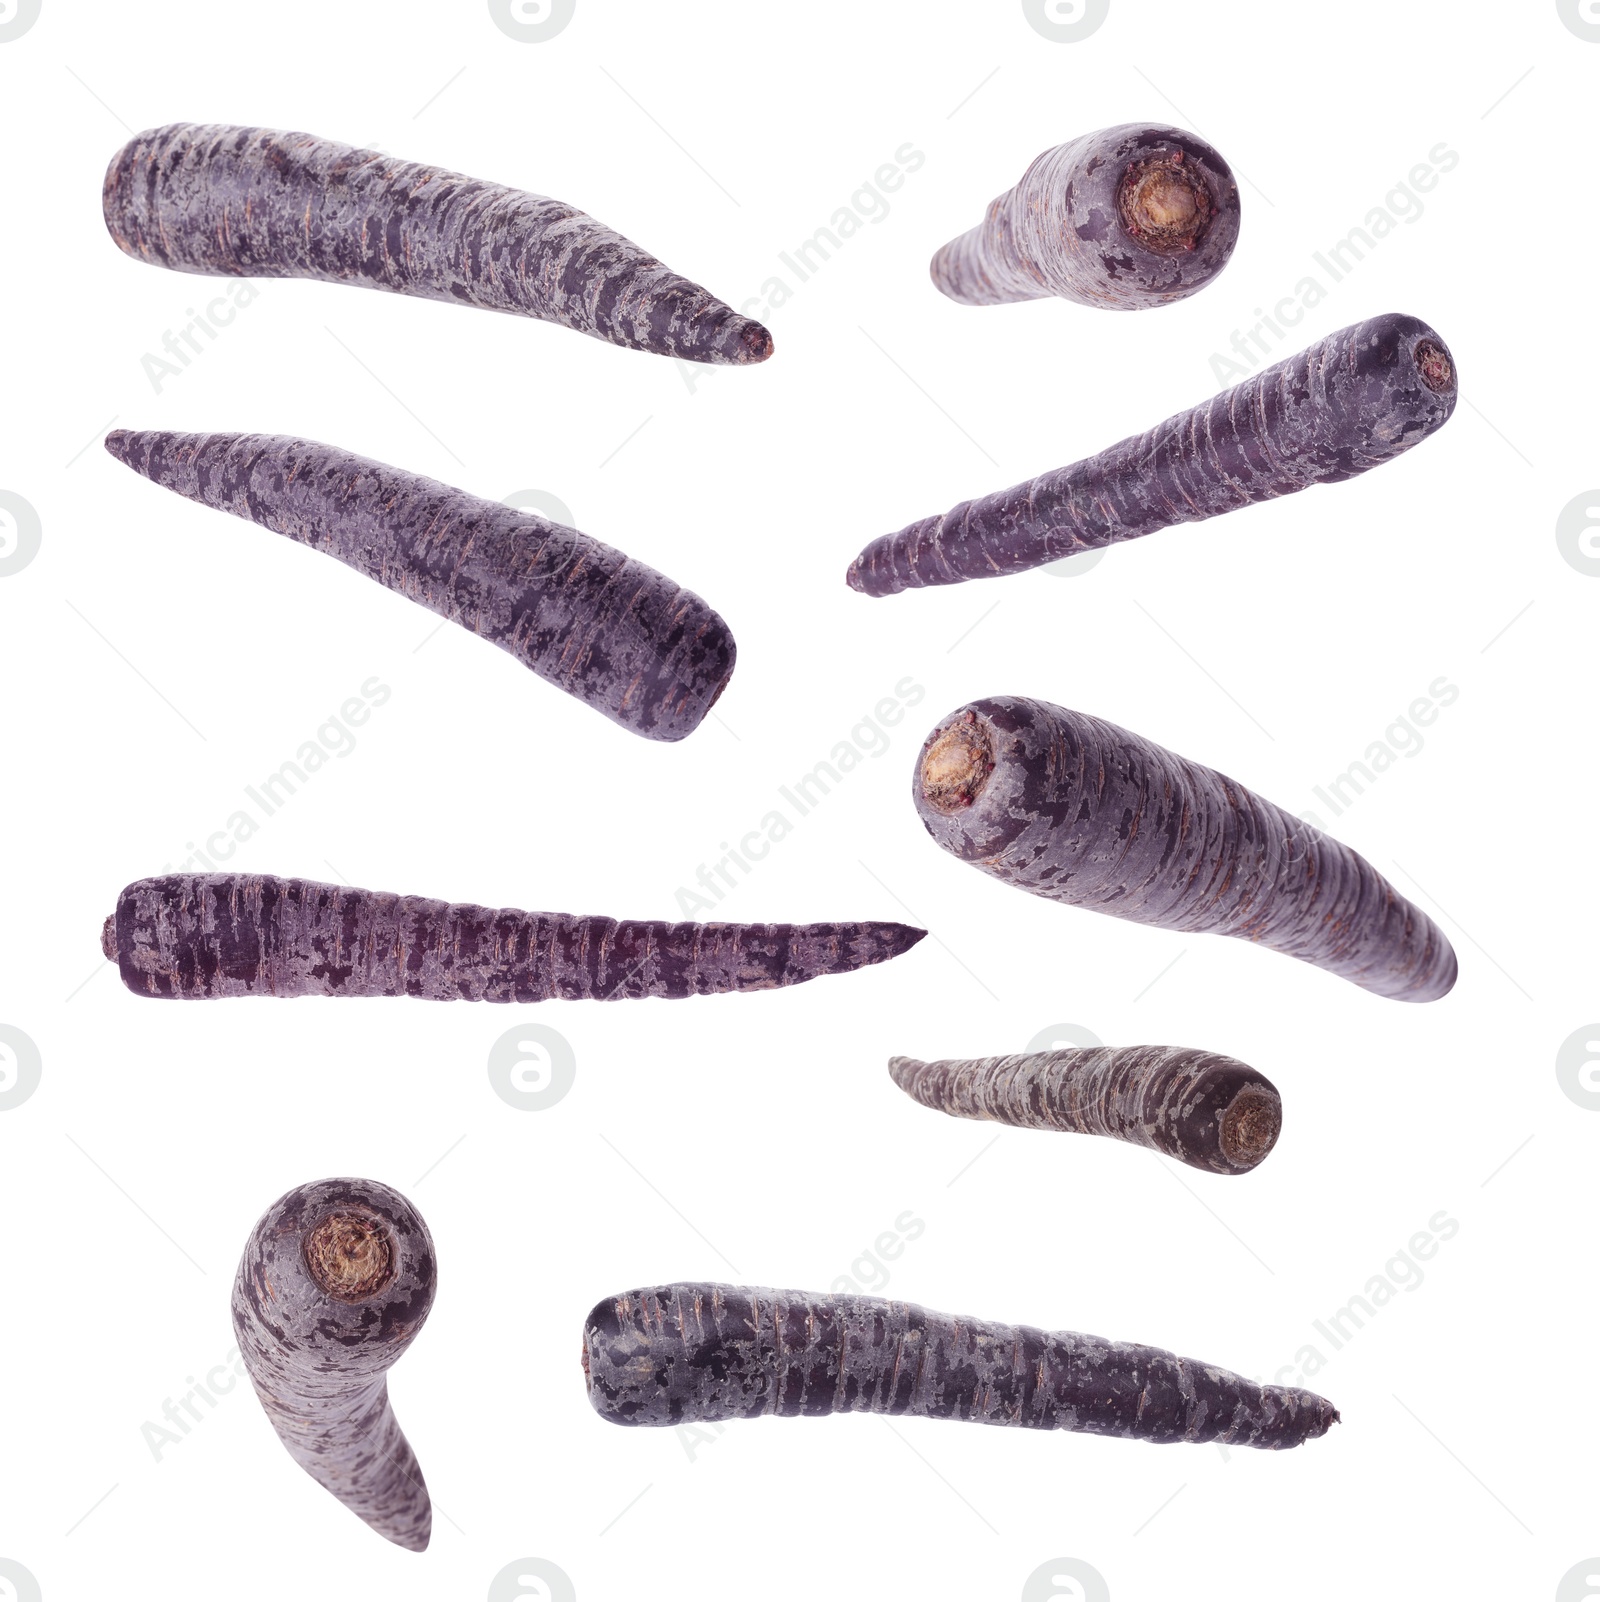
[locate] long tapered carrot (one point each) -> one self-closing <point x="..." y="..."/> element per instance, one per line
<point x="335" y="1281"/>
<point x="694" y="1353"/>
<point x="207" y="935"/>
<point x="263" y="203"/>
<point x="1127" y="217"/>
<point x="1350" y="402"/>
<point x="1075" y="809"/>
<point x="619" y="636"/>
<point x="1206" y="1110"/>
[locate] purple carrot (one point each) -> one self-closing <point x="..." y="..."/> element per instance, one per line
<point x="1348" y="403"/>
<point x="610" y="631"/>
<point x="701" y="1354"/>
<point x="335" y="1281"/>
<point x="201" y="936"/>
<point x="261" y="203"/>
<point x="1206" y="1110"/>
<point x="1077" y="810"/>
<point x="1124" y="218"/>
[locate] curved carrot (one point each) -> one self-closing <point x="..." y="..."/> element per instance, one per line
<point x="335" y="1281"/>
<point x="262" y="203"/>
<point x="1206" y="1110"/>
<point x="688" y="1354"/>
<point x="1124" y="218"/>
<point x="1077" y="810"/>
<point x="202" y="936"/>
<point x="610" y="631"/>
<point x="1348" y="403"/>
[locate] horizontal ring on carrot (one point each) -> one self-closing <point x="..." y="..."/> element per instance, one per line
<point x="1127" y="217"/>
<point x="1350" y="402"/>
<point x="701" y="1354"/>
<point x="262" y="203"/>
<point x="611" y="632"/>
<point x="1075" y="809"/>
<point x="335" y="1281"/>
<point x="1206" y="1110"/>
<point x="201" y="936"/>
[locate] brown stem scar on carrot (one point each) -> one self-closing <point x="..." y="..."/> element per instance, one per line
<point x="1250" y="1127"/>
<point x="957" y="765"/>
<point x="1433" y="362"/>
<point x="350" y="1256"/>
<point x="1162" y="206"/>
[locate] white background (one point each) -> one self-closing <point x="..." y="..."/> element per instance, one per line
<point x="159" y="657"/>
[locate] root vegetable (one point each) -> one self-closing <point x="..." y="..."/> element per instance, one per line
<point x="1350" y="402"/>
<point x="1124" y="218"/>
<point x="202" y="936"/>
<point x="1075" y="809"/>
<point x="262" y="203"/>
<point x="700" y="1354"/>
<point x="608" y="630"/>
<point x="335" y="1281"/>
<point x="1206" y="1110"/>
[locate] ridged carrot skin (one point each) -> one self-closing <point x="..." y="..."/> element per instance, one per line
<point x="1123" y="218"/>
<point x="1351" y="402"/>
<point x="1075" y="809"/>
<point x="611" y="632"/>
<point x="240" y="202"/>
<point x="1209" y="1111"/>
<point x="206" y="936"/>
<point x="334" y="1284"/>
<point x="702" y="1354"/>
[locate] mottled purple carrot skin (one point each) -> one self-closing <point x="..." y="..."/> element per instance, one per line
<point x="203" y="936"/>
<point x="335" y="1281"/>
<point x="693" y="1354"/>
<point x="608" y="630"/>
<point x="1350" y="402"/>
<point x="262" y="203"/>
<point x="1075" y="809"/>
<point x="1209" y="1111"/>
<point x="1123" y="218"/>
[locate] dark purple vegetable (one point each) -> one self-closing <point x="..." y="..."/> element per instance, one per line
<point x="700" y="1354"/>
<point x="1124" y="218"/>
<point x="335" y="1281"/>
<point x="1208" y="1111"/>
<point x="1350" y="402"/>
<point x="610" y="631"/>
<point x="1075" y="809"/>
<point x="201" y="936"/>
<point x="261" y="203"/>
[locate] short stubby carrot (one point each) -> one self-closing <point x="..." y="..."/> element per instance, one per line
<point x="204" y="936"/>
<point x="1073" y="808"/>
<point x="241" y="202"/>
<point x="703" y="1354"/>
<point x="1350" y="402"/>
<point x="335" y="1282"/>
<point x="1123" y="218"/>
<point x="615" y="634"/>
<point x="1209" y="1111"/>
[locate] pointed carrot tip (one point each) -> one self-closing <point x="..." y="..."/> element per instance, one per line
<point x="117" y="443"/>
